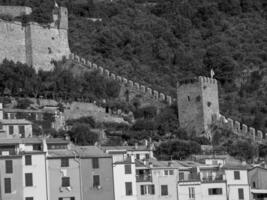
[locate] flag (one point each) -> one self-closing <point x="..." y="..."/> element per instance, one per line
<point x="212" y="73"/>
<point x="56" y="5"/>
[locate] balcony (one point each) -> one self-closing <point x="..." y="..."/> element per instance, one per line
<point x="216" y="178"/>
<point x="190" y="178"/>
<point x="143" y="178"/>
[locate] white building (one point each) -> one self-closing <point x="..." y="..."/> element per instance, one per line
<point x="237" y="181"/>
<point x="34" y="175"/>
<point x="156" y="180"/>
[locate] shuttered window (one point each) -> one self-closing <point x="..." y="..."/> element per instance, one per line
<point x="9" y="166"/>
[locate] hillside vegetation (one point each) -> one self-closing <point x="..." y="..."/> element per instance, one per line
<point x="161" y="42"/>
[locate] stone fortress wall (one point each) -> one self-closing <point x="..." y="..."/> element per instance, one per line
<point x="134" y="88"/>
<point x="239" y="128"/>
<point x="210" y="113"/>
<point x="34" y="44"/>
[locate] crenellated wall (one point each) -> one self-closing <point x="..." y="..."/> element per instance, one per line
<point x="239" y="128"/>
<point x="132" y="88"/>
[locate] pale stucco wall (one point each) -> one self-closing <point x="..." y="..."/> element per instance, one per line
<point x="38" y="190"/>
<point x="56" y="172"/>
<point x="119" y="182"/>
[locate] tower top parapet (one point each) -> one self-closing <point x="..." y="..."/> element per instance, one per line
<point x="200" y="79"/>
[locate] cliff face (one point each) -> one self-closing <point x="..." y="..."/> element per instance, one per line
<point x="35" y="44"/>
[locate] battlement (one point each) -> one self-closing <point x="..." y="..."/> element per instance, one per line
<point x="238" y="128"/>
<point x="15" y="11"/>
<point x="156" y="95"/>
<point x="200" y="79"/>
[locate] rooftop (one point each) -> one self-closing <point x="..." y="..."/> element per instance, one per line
<point x="32" y="140"/>
<point x="125" y="148"/>
<point x="14" y="121"/>
<point x="78" y="151"/>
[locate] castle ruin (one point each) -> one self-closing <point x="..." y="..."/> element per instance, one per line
<point x="35" y="44"/>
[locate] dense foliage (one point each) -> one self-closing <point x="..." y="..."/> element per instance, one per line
<point x="17" y="79"/>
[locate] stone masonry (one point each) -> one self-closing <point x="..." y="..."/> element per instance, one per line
<point x="34" y="44"/>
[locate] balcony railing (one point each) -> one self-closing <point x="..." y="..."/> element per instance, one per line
<point x="217" y="178"/>
<point x="191" y="178"/>
<point x="143" y="178"/>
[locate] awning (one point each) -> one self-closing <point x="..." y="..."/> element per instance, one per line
<point x="259" y="191"/>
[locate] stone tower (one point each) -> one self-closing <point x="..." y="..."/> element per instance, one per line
<point x="197" y="102"/>
<point x="60" y="17"/>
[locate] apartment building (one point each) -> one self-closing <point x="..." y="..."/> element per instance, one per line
<point x="236" y="175"/>
<point x="124" y="170"/>
<point x="140" y="152"/>
<point x="258" y="182"/>
<point x="96" y="173"/>
<point x="156" y="180"/>
<point x="63" y="175"/>
<point x="23" y="170"/>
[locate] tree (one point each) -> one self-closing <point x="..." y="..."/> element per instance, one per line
<point x="24" y="103"/>
<point x="242" y="149"/>
<point x="81" y="134"/>
<point x="176" y="149"/>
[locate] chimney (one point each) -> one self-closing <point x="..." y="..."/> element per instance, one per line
<point x="1" y="111"/>
<point x="136" y="145"/>
<point x="146" y="143"/>
<point x="67" y="137"/>
<point x="44" y="145"/>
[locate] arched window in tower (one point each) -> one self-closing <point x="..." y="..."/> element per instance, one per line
<point x="188" y="98"/>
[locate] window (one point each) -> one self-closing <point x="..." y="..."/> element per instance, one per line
<point x="95" y="163"/>
<point x="254" y="184"/>
<point x="7" y="185"/>
<point x="128" y="188"/>
<point x="188" y="98"/>
<point x="151" y="189"/>
<point x="127" y="169"/>
<point x="138" y="156"/>
<point x="28" y="160"/>
<point x="143" y="189"/>
<point x="147" y="189"/>
<point x="64" y="162"/>
<point x="181" y="176"/>
<point x="168" y="172"/>
<point x="96" y="180"/>
<point x="65" y="181"/>
<point x="29" y="198"/>
<point x="164" y="190"/>
<point x="214" y="162"/>
<point x="237" y="175"/>
<point x="191" y="193"/>
<point x="9" y="166"/>
<point x="28" y="180"/>
<point x="241" y="193"/>
<point x="215" y="191"/>
<point x="11" y="130"/>
<point x="12" y="116"/>
<point x="147" y="156"/>
<point x="22" y="131"/>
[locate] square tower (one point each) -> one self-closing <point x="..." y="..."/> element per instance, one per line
<point x="197" y="101"/>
